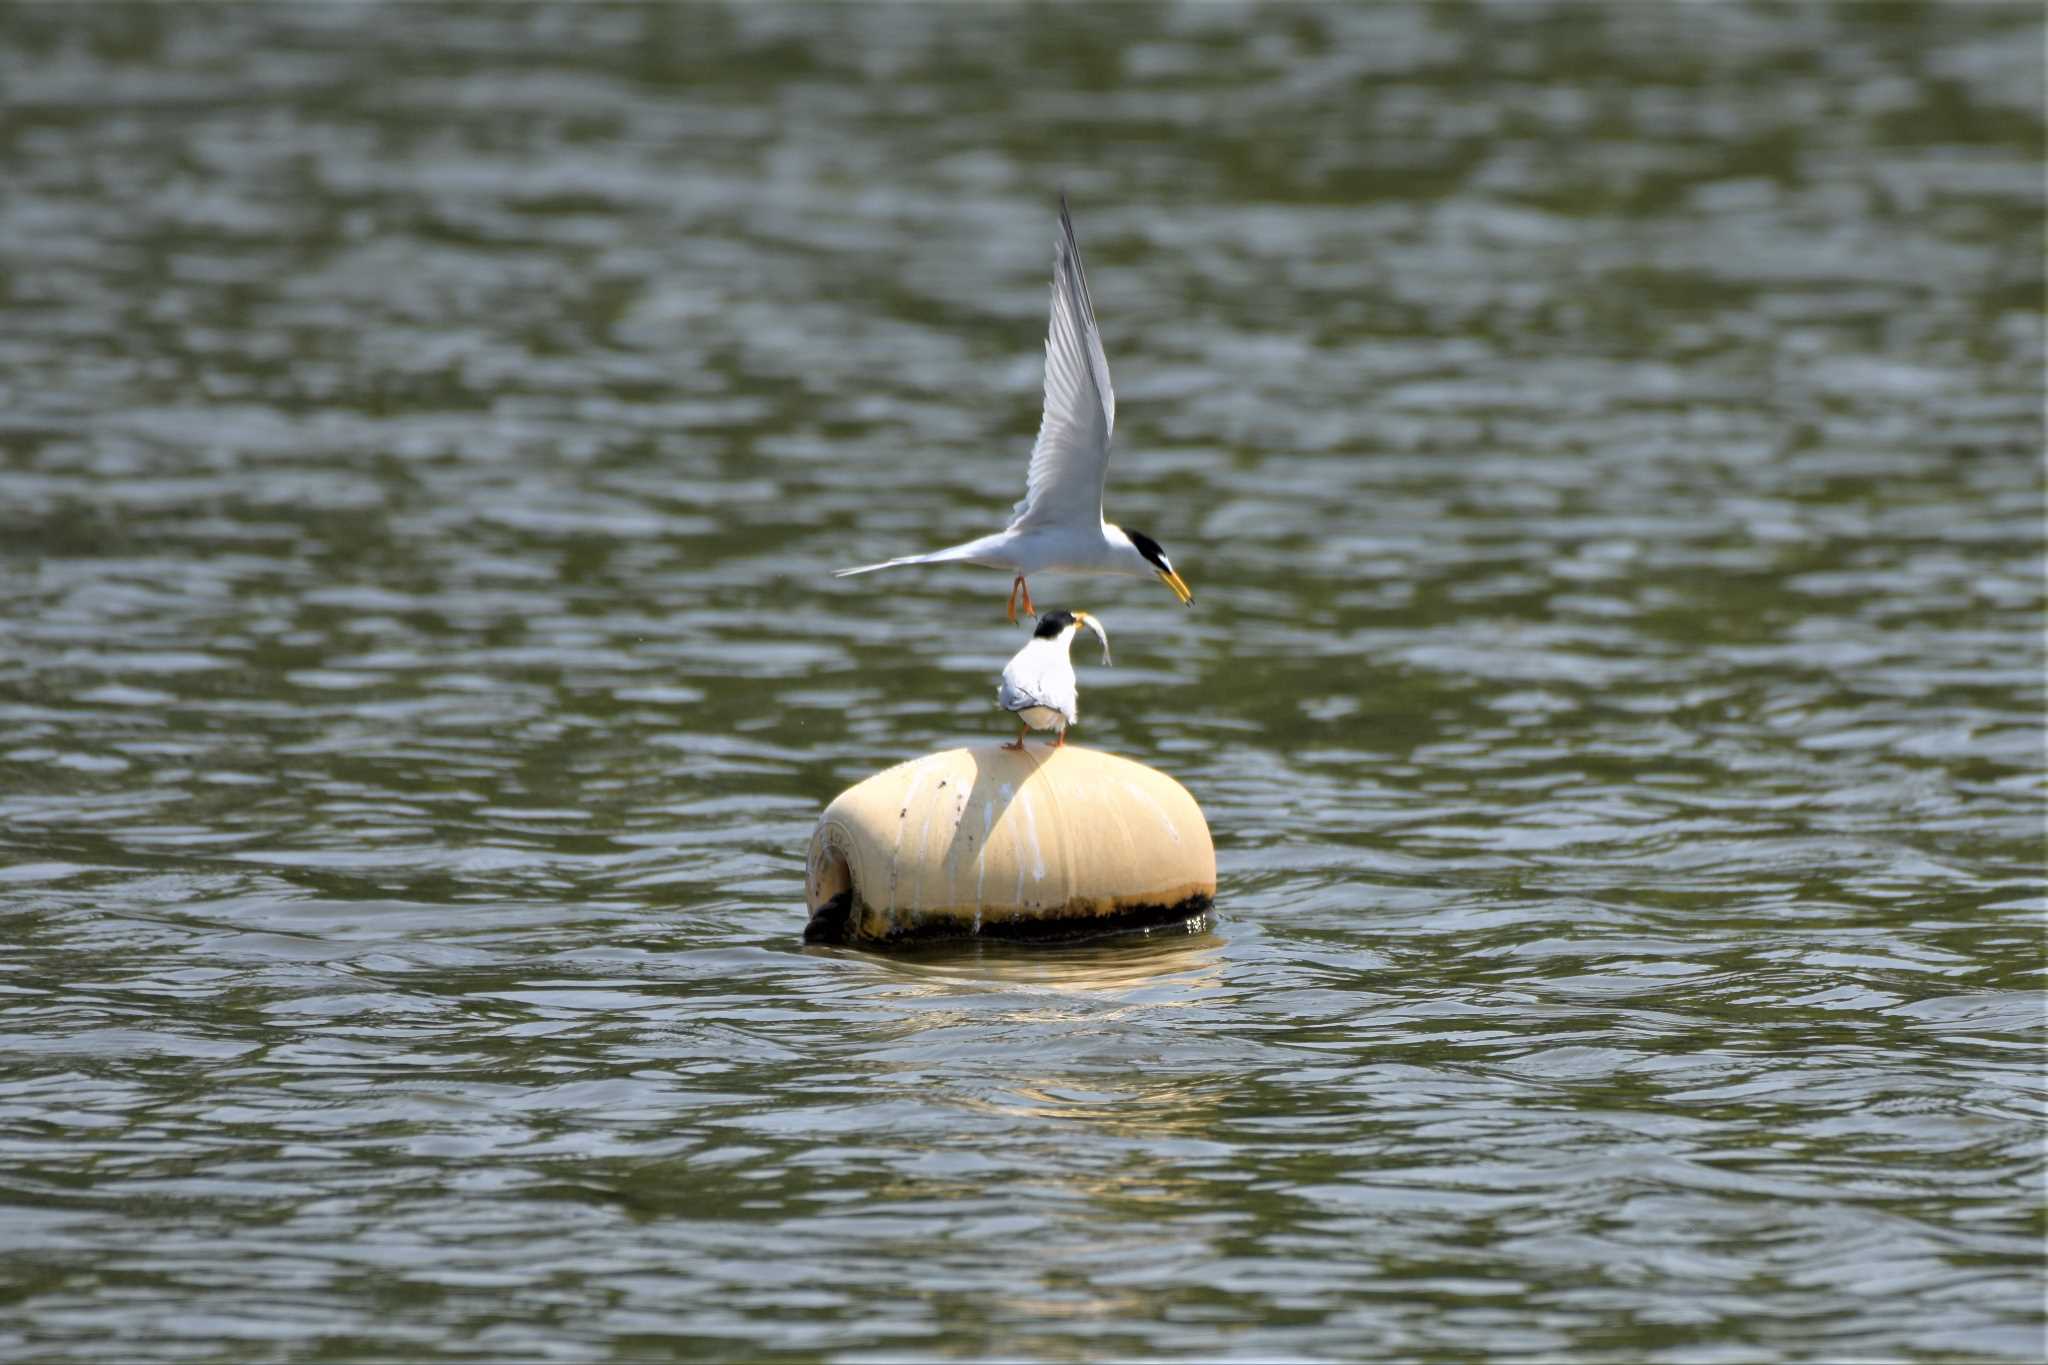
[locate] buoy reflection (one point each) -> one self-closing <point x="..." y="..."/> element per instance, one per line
<point x="1188" y="953"/>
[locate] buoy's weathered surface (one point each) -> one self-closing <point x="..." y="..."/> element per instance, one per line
<point x="1044" y="843"/>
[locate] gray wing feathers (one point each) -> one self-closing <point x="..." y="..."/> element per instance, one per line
<point x="1012" y="698"/>
<point x="1071" y="455"/>
<point x="1014" y="694"/>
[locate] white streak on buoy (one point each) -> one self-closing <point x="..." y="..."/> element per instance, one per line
<point x="902" y="821"/>
<point x="1138" y="794"/>
<point x="953" y="841"/>
<point x="988" y="822"/>
<point x="1031" y="833"/>
<point x="924" y="843"/>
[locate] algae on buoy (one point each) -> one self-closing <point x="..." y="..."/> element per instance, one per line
<point x="1043" y="843"/>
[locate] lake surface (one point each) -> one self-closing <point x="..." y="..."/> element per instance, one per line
<point x="1606" y="448"/>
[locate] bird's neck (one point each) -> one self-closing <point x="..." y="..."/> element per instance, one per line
<point x="1121" y="547"/>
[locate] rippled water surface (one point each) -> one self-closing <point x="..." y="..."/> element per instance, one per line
<point x="1605" y="444"/>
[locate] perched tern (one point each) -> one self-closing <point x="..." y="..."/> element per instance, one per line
<point x="1058" y="524"/>
<point x="1038" y="685"/>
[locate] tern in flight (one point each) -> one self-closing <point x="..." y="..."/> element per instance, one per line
<point x="1058" y="526"/>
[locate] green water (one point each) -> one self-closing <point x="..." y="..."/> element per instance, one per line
<point x="1606" y="446"/>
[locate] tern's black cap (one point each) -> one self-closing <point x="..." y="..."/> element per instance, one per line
<point x="1154" y="554"/>
<point x="1051" y="623"/>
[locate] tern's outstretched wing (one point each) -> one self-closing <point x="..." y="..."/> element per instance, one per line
<point x="1064" y="485"/>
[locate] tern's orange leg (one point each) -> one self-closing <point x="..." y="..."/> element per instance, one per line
<point x="1022" y="731"/>
<point x="1061" y="742"/>
<point x="1015" y="584"/>
<point x="1028" y="608"/>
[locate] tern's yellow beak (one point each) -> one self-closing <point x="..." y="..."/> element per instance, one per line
<point x="1180" y="589"/>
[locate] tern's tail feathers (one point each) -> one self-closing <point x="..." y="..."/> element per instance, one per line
<point x="951" y="553"/>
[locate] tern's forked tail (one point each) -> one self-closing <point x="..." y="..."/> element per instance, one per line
<point x="951" y="554"/>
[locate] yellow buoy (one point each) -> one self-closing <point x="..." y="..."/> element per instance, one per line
<point x="1043" y="843"/>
